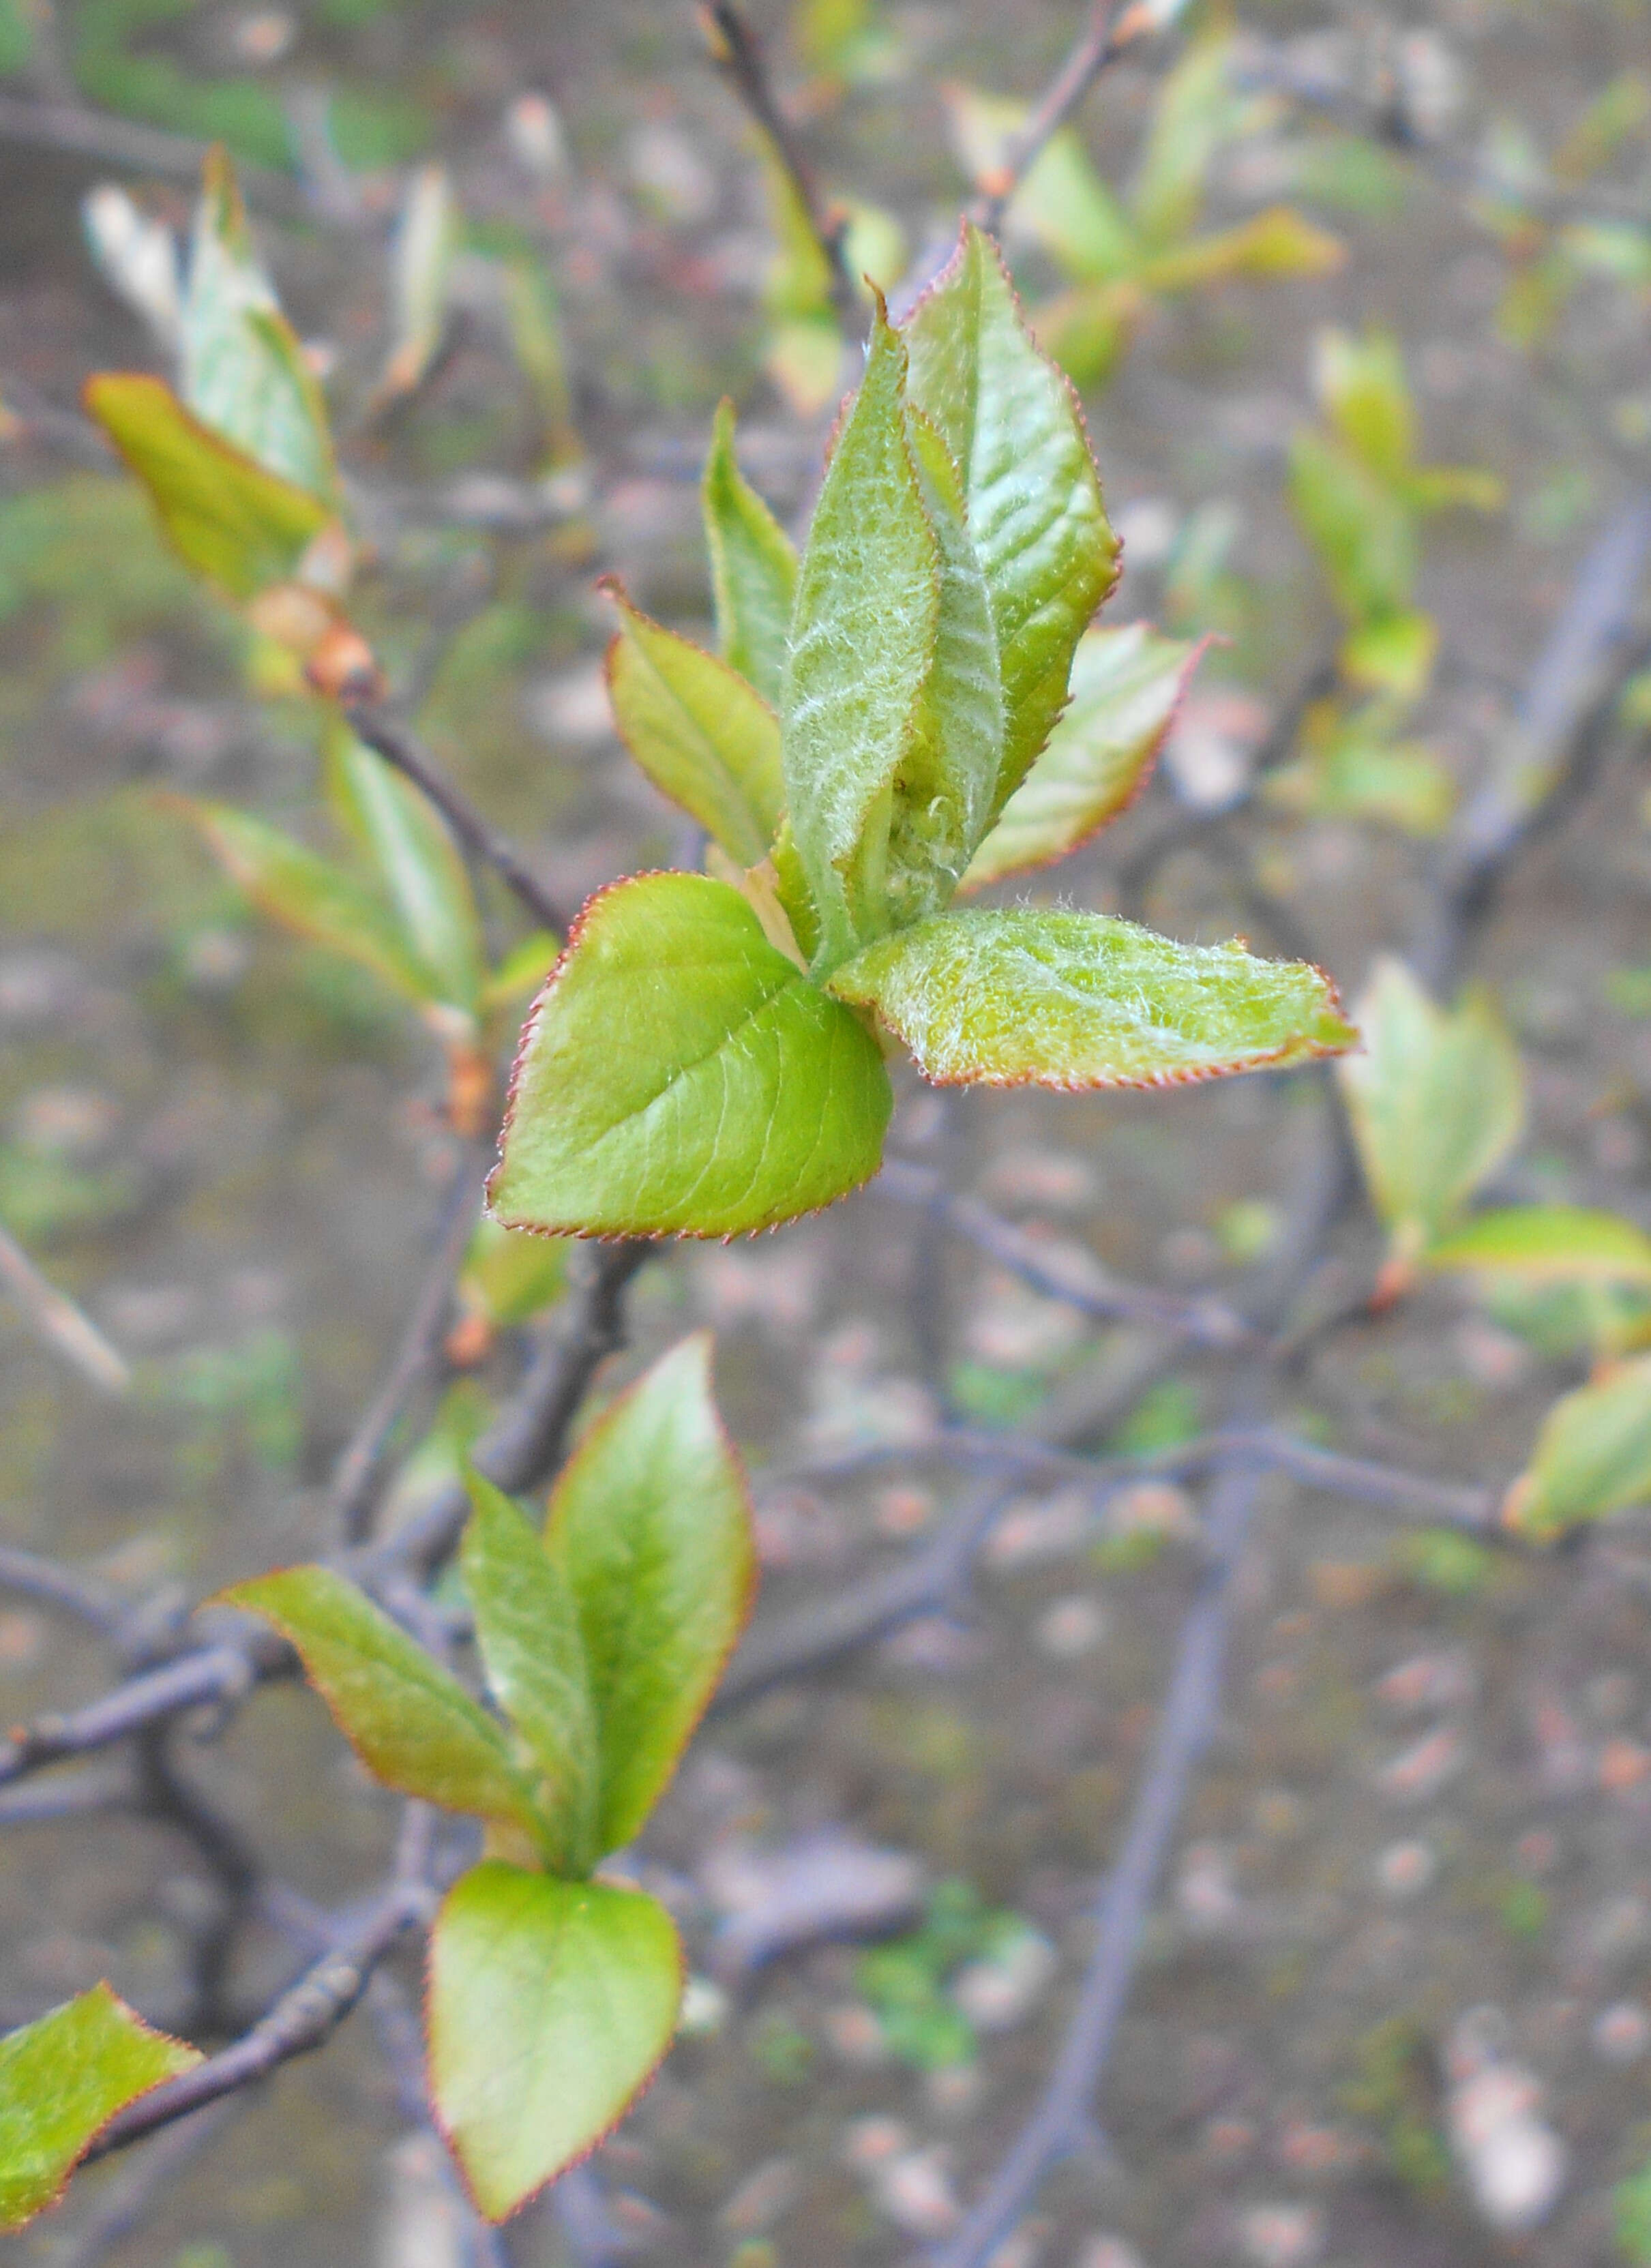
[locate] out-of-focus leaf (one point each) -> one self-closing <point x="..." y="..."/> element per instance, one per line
<point x="1618" y="110"/>
<point x="242" y="370"/>
<point x="1367" y="399"/>
<point x="1062" y="203"/>
<point x="527" y="1634"/>
<point x="536" y="334"/>
<point x="1273" y="243"/>
<point x="1087" y="329"/>
<point x="874" y="249"/>
<point x="509" y="1275"/>
<point x="310" y="895"/>
<point x="1437" y="1101"/>
<point x="1391" y="654"/>
<point x="1034" y="510"/>
<point x="239" y="524"/>
<point x="138" y="257"/>
<point x="1125" y="686"/>
<point x="1548" y="1244"/>
<point x="1353" y="767"/>
<point x="410" y="1720"/>
<point x="549" y="2006"/>
<point x="1592" y="1457"/>
<point x="420" y="267"/>
<point x="62" y="2078"/>
<point x="1361" y="529"/>
<point x="1438" y="487"/>
<point x="420" y="865"/>
<point x="1080" y="1000"/>
<point x="703" y="735"/>
<point x="753" y="567"/>
<point x="520" y="973"/>
<point x="1197" y="110"/>
<point x="800" y="279"/>
<point x="803" y="358"/>
<point x="679" y="1074"/>
<point x="650" y="1530"/>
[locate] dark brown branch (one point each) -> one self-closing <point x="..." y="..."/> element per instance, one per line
<point x="399" y="747"/>
<point x="738" y="55"/>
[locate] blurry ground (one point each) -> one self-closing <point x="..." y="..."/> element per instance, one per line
<point x="1431" y="1787"/>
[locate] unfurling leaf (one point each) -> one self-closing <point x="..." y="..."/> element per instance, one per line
<point x="1275" y="243"/>
<point x="1592" y="1457"/>
<point x="753" y="568"/>
<point x="549" y="2007"/>
<point x="419" y="864"/>
<point x="527" y="1634"/>
<point x="1125" y="687"/>
<point x="1032" y="495"/>
<point x="650" y="1528"/>
<point x="679" y="1074"/>
<point x="410" y="1721"/>
<point x="62" y="2079"/>
<point x="242" y="527"/>
<point x="1437" y="1101"/>
<point x="698" y="730"/>
<point x="426" y="239"/>
<point x="1078" y="1000"/>
<point x="1547" y="1244"/>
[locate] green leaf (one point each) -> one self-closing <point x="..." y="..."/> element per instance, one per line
<point x="242" y="370"/>
<point x="520" y="974"/>
<point x="698" y="730"/>
<point x="1033" y="495"/>
<point x="527" y="1633"/>
<point x="509" y="1276"/>
<point x="1361" y="528"/>
<point x="1366" y="397"/>
<point x="421" y="866"/>
<point x="1125" y="687"/>
<point x="1547" y="1244"/>
<point x="235" y="523"/>
<point x="1197" y="111"/>
<point x="863" y="637"/>
<point x="550" y="2005"/>
<point x="651" y="1527"/>
<point x="1392" y="653"/>
<point x="679" y="1074"/>
<point x="426" y="238"/>
<point x="307" y="894"/>
<point x="1078" y="1000"/>
<point x="753" y="567"/>
<point x="1275" y="243"/>
<point x="408" y="1719"/>
<point x="1062" y="203"/>
<point x="1592" y="1457"/>
<point x="1437" y="1101"/>
<point x="62" y="2079"/>
<point x="1086" y="330"/>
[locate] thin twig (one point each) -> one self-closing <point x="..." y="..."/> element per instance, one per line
<point x="1104" y="39"/>
<point x="124" y="2209"/>
<point x="53" y="1583"/>
<point x="55" y="1320"/>
<point x="399" y="747"/>
<point x="71" y="1795"/>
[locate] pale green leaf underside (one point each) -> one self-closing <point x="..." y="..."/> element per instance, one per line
<point x="1570" y="1244"/>
<point x="1125" y="685"/>
<point x="753" y="568"/>
<point x="62" y="2079"/>
<point x="1436" y="1100"/>
<point x="651" y="1527"/>
<point x="1012" y="424"/>
<point x="421" y="866"/>
<point x="679" y="1074"/>
<point x="1080" y="1000"/>
<point x="527" y="1634"/>
<point x="412" y="1723"/>
<point x="1592" y="1457"/>
<point x="232" y="520"/>
<point x="700" y="732"/>
<point x="549" y="2006"/>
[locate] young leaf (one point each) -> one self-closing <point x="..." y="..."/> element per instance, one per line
<point x="698" y="730"/>
<point x="549" y="2007"/>
<point x="1547" y="1244"/>
<point x="678" y="1073"/>
<point x="1126" y="685"/>
<point x="753" y="567"/>
<point x="309" y="894"/>
<point x="527" y="1633"/>
<point x="1273" y="243"/>
<point x="421" y="866"/>
<point x="1366" y="397"/>
<point x="62" y="2079"/>
<point x="1437" y="1101"/>
<point x="1062" y="203"/>
<point x="1032" y="493"/>
<point x="1197" y="111"/>
<point x="1592" y="1457"/>
<point x="426" y="239"/>
<point x="1362" y="529"/>
<point x="862" y="636"/>
<point x="408" y="1719"/>
<point x="239" y="524"/>
<point x="651" y="1529"/>
<point x="242" y="370"/>
<point x="520" y="974"/>
<point x="509" y="1276"/>
<point x="1078" y="1000"/>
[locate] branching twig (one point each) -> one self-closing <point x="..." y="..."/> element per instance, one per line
<point x="1110" y="30"/>
<point x="52" y="1583"/>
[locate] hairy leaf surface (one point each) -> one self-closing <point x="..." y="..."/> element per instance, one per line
<point x="549" y="2006"/>
<point x="753" y="568"/>
<point x="678" y="1073"/>
<point x="1077" y="1000"/>
<point x="651" y="1527"/>
<point x="62" y="2079"/>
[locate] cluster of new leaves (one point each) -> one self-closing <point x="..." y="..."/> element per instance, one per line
<point x="886" y="731"/>
<point x="1437" y="1104"/>
<point x="552" y="1991"/>
<point x="239" y="460"/>
<point x="1122" y="254"/>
